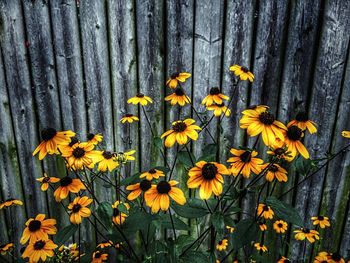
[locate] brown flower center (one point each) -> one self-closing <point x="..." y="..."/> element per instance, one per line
<point x="98" y="255"/>
<point x="46" y="179"/>
<point x="65" y="181"/>
<point x="306" y="231"/>
<point x="179" y="92"/>
<point x="76" y="208"/>
<point x="128" y="115"/>
<point x="34" y="225"/>
<point x="179" y="126"/>
<point x="174" y="75"/>
<point x="152" y="171"/>
<point x="279" y="151"/>
<point x="294" y="133"/>
<point x="73" y="141"/>
<point x="266" y="118"/>
<point x="214" y="91"/>
<point x="273" y="168"/>
<point x="336" y="257"/>
<point x="39" y="245"/>
<point x="220" y="242"/>
<point x="302" y="116"/>
<point x="163" y="187"/>
<point x="145" y="185"/>
<point x="244" y="69"/>
<point x="265" y="208"/>
<point x="140" y="95"/>
<point x="320" y="218"/>
<point x="107" y="155"/>
<point x="90" y="136"/>
<point x="209" y="171"/>
<point x="48" y="133"/>
<point x="246" y="157"/>
<point x="280" y="225"/>
<point x="78" y="152"/>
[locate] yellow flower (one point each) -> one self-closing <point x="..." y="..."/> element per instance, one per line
<point x="345" y="134"/>
<point x="280" y="151"/>
<point x="336" y="258"/>
<point x="81" y="155"/>
<point x="265" y="211"/>
<point x="303" y="122"/>
<point x="178" y="97"/>
<point x="262" y="226"/>
<point x="175" y="78"/>
<point x="138" y="188"/>
<point x="4" y="248"/>
<point x="98" y="257"/>
<point x="310" y="235"/>
<point x="280" y="226"/>
<point x="222" y="245"/>
<point x="119" y="216"/>
<point x="260" y="121"/>
<point x="10" y="202"/>
<point x="72" y="251"/>
<point x="106" y="160"/>
<point x="40" y="249"/>
<point x="275" y="172"/>
<point x="140" y="99"/>
<point x="124" y="157"/>
<point x="78" y="209"/>
<point x="129" y="118"/>
<point x="152" y="174"/>
<point x="158" y="196"/>
<point x="38" y="229"/>
<point x="230" y="229"/>
<point x="105" y="244"/>
<point x="94" y="138"/>
<point x="293" y="142"/>
<point x="322" y="221"/>
<point x="284" y="260"/>
<point x="207" y="176"/>
<point x="242" y="72"/>
<point x="51" y="140"/>
<point x="46" y="180"/>
<point x="322" y="257"/>
<point x="214" y="97"/>
<point x="245" y="162"/>
<point x="68" y="184"/>
<point x="180" y="132"/>
<point x="260" y="247"/>
<point x="219" y="109"/>
<point x="65" y="148"/>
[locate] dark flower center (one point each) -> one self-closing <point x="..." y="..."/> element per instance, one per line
<point x="294" y="133"/>
<point x="302" y="116"/>
<point x="244" y="69"/>
<point x="273" y="168"/>
<point x="260" y="223"/>
<point x="179" y="126"/>
<point x="252" y="107"/>
<point x="163" y="187"/>
<point x="266" y="118"/>
<point x="306" y="231"/>
<point x="76" y="208"/>
<point x="279" y="151"/>
<point x="209" y="170"/>
<point x="286" y="261"/>
<point x="78" y="152"/>
<point x="116" y="212"/>
<point x="221" y="105"/>
<point x="97" y="255"/>
<point x="246" y="156"/>
<point x="9" y="200"/>
<point x="22" y="250"/>
<point x="174" y="75"/>
<point x="280" y="225"/>
<point x="140" y="95"/>
<point x="48" y="133"/>
<point x="152" y="171"/>
<point x="220" y="242"/>
<point x="73" y="141"/>
<point x="46" y="179"/>
<point x="324" y="261"/>
<point x="128" y="115"/>
<point x="107" y="155"/>
<point x="321" y="218"/>
<point x="145" y="185"/>
<point x="179" y="92"/>
<point x="34" y="225"/>
<point x="90" y="136"/>
<point x="65" y="181"/>
<point x="39" y="245"/>
<point x="214" y="91"/>
<point x="336" y="257"/>
<point x="265" y="208"/>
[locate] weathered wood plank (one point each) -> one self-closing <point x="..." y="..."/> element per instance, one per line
<point x="326" y="89"/>
<point x="150" y="46"/>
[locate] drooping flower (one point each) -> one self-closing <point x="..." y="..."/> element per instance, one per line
<point x="130" y="118"/>
<point x="215" y="96"/>
<point x="310" y="235"/>
<point x="94" y="138"/>
<point x="124" y="157"/>
<point x="106" y="160"/>
<point x="78" y="209"/>
<point x="68" y="184"/>
<point x="177" y="77"/>
<point x="293" y="142"/>
<point x="140" y="99"/>
<point x="244" y="162"/>
<point x="40" y="249"/>
<point x="119" y="216"/>
<point x="222" y="245"/>
<point x="302" y="121"/>
<point x="230" y="229"/>
<point x="10" y="202"/>
<point x="260" y="247"/>
<point x="345" y="134"/>
<point x="105" y="244"/>
<point x="275" y="171"/>
<point x="242" y="72"/>
<point x="265" y="211"/>
<point x="219" y="109"/>
<point x="5" y="248"/>
<point x="208" y="177"/>
<point x="284" y="260"/>
<point x="99" y="257"/>
<point x="280" y="226"/>
<point x="152" y="174"/>
<point x="46" y="181"/>
<point x="322" y="221"/>
<point x="178" y="97"/>
<point x="138" y="188"/>
<point x="38" y="228"/>
<point x="262" y="226"/>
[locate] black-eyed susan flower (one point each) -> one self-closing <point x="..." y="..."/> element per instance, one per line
<point x="140" y="99"/>
<point x="230" y="229"/>
<point x="293" y="142"/>
<point x="98" y="257"/>
<point x="158" y="196"/>
<point x="5" y="248"/>
<point x="68" y="184"/>
<point x="106" y="160"/>
<point x="208" y="177"/>
<point x="303" y="122"/>
<point x="310" y="235"/>
<point x="40" y="249"/>
<point x="130" y="118"/>
<point x="138" y="188"/>
<point x="322" y="258"/>
<point x="215" y="96"/>
<point x="322" y="221"/>
<point x="46" y="181"/>
<point x="51" y="140"/>
<point x="280" y="152"/>
<point x="280" y="226"/>
<point x="265" y="211"/>
<point x="178" y="97"/>
<point x="180" y="132"/>
<point x="119" y="216"/>
<point x="275" y="171"/>
<point x="219" y="109"/>
<point x="70" y="252"/>
<point x="10" y="202"/>
<point x="152" y="174"/>
<point x="262" y="226"/>
<point x="38" y="228"/>
<point x="81" y="155"/>
<point x="68" y="147"/>
<point x="94" y="138"/>
<point x="105" y="244"/>
<point x="222" y="245"/>
<point x="284" y="260"/>
<point x="244" y="162"/>
<point x="345" y="134"/>
<point x="177" y="77"/>
<point x="242" y="72"/>
<point x="260" y="247"/>
<point x="78" y="209"/>
<point x="336" y="258"/>
<point x="124" y="157"/>
<point x="259" y="120"/>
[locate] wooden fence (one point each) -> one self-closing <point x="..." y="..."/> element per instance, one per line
<point x="72" y="64"/>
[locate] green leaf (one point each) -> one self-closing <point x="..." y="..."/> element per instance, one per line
<point x="64" y="234"/>
<point x="122" y="208"/>
<point x="105" y="213"/>
<point x="178" y="224"/>
<point x="218" y="221"/>
<point x="190" y="210"/>
<point x="158" y="142"/>
<point x="131" y="179"/>
<point x="182" y="242"/>
<point x="137" y="221"/>
<point x="284" y="211"/>
<point x="246" y="231"/>
<point x="186" y="158"/>
<point x="209" y="153"/>
<point x="195" y="257"/>
<point x="303" y="166"/>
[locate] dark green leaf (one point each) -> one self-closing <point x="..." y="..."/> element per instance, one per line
<point x="137" y="221"/>
<point x="284" y="211"/>
<point x="163" y="169"/>
<point x="178" y="224"/>
<point x="195" y="257"/>
<point x="209" y="153"/>
<point x="217" y="219"/>
<point x="186" y="158"/>
<point x="131" y="179"/>
<point x="122" y="208"/>
<point x="182" y="242"/>
<point x="64" y="234"/>
<point x="190" y="209"/>
<point x="158" y="142"/>
<point x="105" y="213"/>
<point x="246" y="231"/>
<point x="303" y="166"/>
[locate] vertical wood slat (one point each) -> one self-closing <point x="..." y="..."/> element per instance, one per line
<point x="150" y="47"/>
<point x="326" y="89"/>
